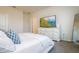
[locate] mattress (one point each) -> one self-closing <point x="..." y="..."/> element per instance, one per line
<point x="33" y="43"/>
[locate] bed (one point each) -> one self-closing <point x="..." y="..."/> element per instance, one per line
<point x="33" y="43"/>
<point x="30" y="43"/>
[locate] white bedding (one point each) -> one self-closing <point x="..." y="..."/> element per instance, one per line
<point x="33" y="43"/>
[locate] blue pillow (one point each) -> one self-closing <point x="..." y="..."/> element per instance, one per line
<point x="14" y="36"/>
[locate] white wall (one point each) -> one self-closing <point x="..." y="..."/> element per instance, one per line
<point x="26" y="22"/>
<point x="64" y="17"/>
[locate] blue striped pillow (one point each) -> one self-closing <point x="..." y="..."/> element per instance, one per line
<point x="14" y="36"/>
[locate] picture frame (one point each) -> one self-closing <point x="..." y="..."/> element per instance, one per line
<point x="48" y="21"/>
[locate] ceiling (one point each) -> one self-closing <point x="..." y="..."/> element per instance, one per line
<point x="31" y="8"/>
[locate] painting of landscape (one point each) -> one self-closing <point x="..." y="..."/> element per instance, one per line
<point x="48" y="22"/>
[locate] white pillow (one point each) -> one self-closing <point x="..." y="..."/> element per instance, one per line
<point x="6" y="44"/>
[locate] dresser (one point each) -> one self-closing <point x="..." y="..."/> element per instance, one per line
<point x="52" y="33"/>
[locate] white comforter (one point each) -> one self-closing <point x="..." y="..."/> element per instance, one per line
<point x="33" y="43"/>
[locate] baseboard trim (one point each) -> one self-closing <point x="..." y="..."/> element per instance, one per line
<point x="65" y="41"/>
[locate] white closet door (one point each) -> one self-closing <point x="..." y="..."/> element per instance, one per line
<point x="4" y="21"/>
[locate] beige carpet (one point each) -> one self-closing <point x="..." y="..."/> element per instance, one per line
<point x="65" y="47"/>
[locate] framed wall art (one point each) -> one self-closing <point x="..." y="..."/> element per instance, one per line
<point x="48" y="21"/>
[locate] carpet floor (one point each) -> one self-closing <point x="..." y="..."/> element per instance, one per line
<point x="65" y="47"/>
